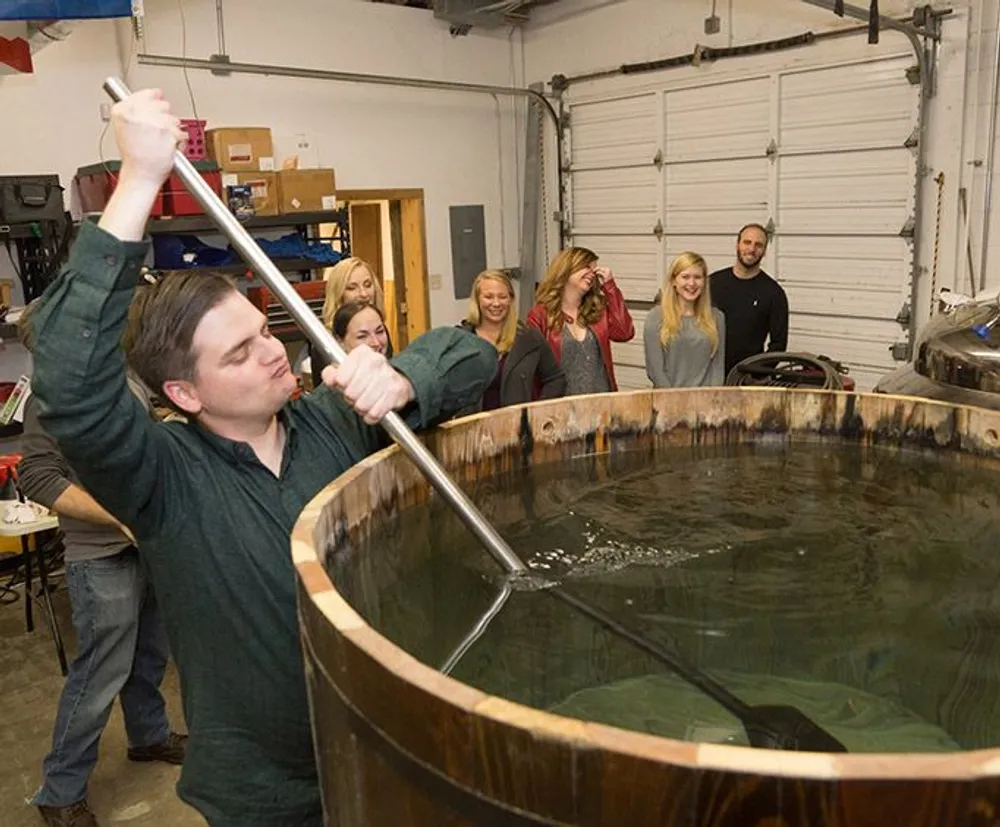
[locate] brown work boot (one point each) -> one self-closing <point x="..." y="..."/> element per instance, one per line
<point x="75" y="815"/>
<point x="170" y="751"/>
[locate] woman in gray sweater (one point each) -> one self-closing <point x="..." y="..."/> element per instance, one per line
<point x="685" y="337"/>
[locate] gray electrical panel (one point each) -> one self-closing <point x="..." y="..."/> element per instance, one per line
<point x="468" y="246"/>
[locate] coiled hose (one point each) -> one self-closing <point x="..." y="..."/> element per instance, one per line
<point x="787" y="370"/>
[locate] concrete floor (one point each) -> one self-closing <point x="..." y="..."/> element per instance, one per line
<point x="121" y="792"/>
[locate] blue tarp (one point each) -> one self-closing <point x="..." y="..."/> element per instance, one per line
<point x="179" y="252"/>
<point x="63" y="9"/>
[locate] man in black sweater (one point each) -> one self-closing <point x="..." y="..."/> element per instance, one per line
<point x="755" y="305"/>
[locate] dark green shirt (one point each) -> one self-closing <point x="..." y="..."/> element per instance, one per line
<point x="213" y="524"/>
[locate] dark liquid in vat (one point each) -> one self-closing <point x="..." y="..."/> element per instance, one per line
<point x="860" y="585"/>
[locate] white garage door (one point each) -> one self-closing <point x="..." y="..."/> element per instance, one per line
<point x="821" y="152"/>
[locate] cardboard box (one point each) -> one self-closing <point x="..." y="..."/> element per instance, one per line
<point x="266" y="194"/>
<point x="307" y="190"/>
<point x="241" y="148"/>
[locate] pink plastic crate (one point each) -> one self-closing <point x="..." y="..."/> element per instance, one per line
<point x="195" y="148"/>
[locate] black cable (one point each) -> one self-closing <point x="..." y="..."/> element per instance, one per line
<point x="787" y="370"/>
<point x="7" y="593"/>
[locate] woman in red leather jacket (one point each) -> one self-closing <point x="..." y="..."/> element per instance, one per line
<point x="581" y="311"/>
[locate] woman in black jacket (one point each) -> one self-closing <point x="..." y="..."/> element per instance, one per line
<point x="528" y="370"/>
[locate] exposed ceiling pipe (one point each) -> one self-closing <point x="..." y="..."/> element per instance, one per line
<point x="225" y="67"/>
<point x="220" y="28"/>
<point x="348" y="77"/>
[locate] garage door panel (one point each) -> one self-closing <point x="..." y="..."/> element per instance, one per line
<point x="700" y="122"/>
<point x="861" y="344"/>
<point x="836" y="300"/>
<point x="718" y="250"/>
<point x="862" y="193"/>
<point x="616" y="133"/>
<point x="635" y="261"/>
<point x="630" y="357"/>
<point x="843" y="275"/>
<point x="631" y="378"/>
<point x="615" y="201"/>
<point x="877" y="94"/>
<point x="715" y="196"/>
<point x="631" y="353"/>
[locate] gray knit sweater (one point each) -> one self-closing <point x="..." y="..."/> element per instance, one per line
<point x="687" y="362"/>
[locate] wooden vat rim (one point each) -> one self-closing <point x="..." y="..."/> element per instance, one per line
<point x="354" y="631"/>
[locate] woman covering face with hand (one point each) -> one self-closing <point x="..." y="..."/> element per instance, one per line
<point x="580" y="311"/>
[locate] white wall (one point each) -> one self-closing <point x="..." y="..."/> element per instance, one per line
<point x="443" y="142"/>
<point x="51" y="117"/>
<point x="578" y="36"/>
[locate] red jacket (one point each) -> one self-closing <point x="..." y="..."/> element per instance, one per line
<point x="614" y="325"/>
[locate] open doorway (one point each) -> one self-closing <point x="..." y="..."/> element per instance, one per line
<point x="387" y="230"/>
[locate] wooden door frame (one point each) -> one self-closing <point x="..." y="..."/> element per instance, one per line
<point x="416" y="281"/>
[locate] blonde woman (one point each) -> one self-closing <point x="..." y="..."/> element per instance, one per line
<point x="685" y="337"/>
<point x="581" y="311"/>
<point x="350" y="280"/>
<point x="528" y="370"/>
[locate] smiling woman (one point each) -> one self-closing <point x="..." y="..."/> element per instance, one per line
<point x="528" y="370"/>
<point x="360" y="323"/>
<point x="685" y="336"/>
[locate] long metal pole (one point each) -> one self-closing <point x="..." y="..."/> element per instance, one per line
<point x="991" y="142"/>
<point x="323" y="339"/>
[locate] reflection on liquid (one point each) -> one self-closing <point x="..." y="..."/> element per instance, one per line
<point x="859" y="585"/>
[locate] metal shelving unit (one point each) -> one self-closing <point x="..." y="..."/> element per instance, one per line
<point x="202" y="223"/>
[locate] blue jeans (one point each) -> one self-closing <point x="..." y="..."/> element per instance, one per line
<point x="121" y="652"/>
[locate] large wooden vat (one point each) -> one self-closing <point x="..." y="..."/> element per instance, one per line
<point x="400" y="744"/>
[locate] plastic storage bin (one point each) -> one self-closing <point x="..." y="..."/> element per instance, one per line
<point x="195" y="148"/>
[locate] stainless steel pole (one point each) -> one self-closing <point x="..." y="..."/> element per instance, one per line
<point x="323" y="339"/>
